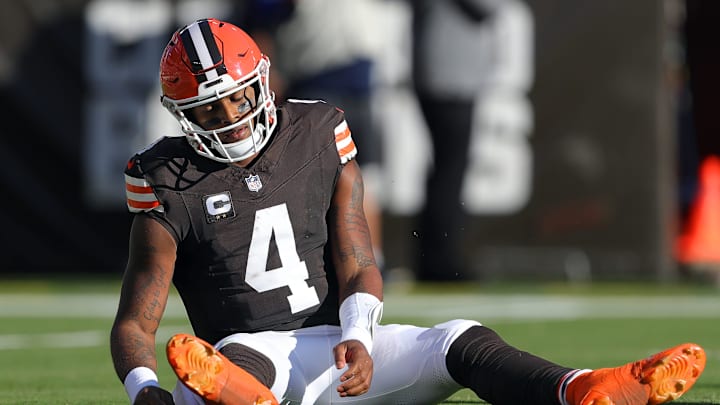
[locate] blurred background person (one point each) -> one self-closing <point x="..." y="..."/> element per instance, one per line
<point x="471" y="61"/>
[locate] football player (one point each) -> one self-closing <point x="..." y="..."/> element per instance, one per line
<point x="255" y="215"/>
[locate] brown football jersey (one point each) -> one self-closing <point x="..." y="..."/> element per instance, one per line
<point x="251" y="241"/>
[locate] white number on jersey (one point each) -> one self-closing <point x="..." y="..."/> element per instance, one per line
<point x="293" y="273"/>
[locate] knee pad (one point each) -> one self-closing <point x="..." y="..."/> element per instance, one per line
<point x="454" y="329"/>
<point x="252" y="361"/>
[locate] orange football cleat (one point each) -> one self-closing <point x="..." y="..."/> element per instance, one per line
<point x="212" y="376"/>
<point x="658" y="379"/>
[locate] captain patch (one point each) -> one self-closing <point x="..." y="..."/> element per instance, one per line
<point x="218" y="206"/>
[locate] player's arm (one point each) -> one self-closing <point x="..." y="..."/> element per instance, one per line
<point x="350" y="237"/>
<point x="359" y="280"/>
<point x="143" y="297"/>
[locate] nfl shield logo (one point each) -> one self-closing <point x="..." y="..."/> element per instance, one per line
<point x="253" y="182"/>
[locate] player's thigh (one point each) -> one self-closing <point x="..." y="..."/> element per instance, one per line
<point x="409" y="363"/>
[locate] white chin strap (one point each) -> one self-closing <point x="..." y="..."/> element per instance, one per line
<point x="242" y="149"/>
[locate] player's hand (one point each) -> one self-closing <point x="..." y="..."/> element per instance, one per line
<point x="153" y="396"/>
<point x="356" y="380"/>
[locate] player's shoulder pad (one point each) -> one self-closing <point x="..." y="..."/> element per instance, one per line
<point x="324" y="115"/>
<point x="318" y="111"/>
<point x="157" y="154"/>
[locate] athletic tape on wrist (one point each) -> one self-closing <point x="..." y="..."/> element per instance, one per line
<point x="137" y="379"/>
<point x="359" y="314"/>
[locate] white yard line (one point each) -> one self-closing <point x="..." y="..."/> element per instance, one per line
<point x="525" y="307"/>
<point x="476" y="306"/>
<point x="428" y="308"/>
<point x="70" y="306"/>
<point x="65" y="340"/>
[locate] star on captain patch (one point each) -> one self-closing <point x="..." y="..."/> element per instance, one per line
<point x="253" y="182"/>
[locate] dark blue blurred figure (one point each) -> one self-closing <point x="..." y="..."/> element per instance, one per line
<point x="447" y="80"/>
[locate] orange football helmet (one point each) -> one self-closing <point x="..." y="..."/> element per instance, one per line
<point x="206" y="61"/>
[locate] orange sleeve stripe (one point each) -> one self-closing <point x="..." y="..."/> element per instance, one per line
<point x="341" y="136"/>
<point x="138" y="189"/>
<point x="142" y="204"/>
<point x="347" y="149"/>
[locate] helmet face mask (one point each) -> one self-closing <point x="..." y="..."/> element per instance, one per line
<point x="209" y="60"/>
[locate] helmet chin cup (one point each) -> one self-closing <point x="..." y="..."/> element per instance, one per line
<point x="242" y="149"/>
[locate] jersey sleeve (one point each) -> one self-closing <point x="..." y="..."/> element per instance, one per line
<point x="139" y="193"/>
<point x="344" y="142"/>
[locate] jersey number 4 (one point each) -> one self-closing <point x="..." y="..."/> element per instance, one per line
<point x="293" y="273"/>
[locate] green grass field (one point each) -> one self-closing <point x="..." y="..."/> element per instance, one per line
<point x="54" y="334"/>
